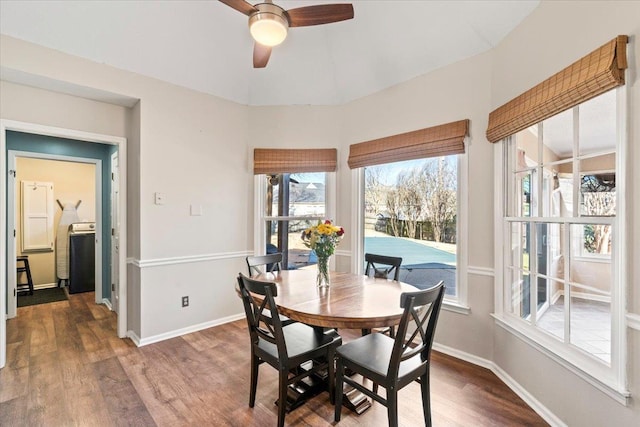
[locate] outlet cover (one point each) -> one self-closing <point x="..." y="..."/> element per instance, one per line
<point x="185" y="301"/>
<point x="159" y="198"/>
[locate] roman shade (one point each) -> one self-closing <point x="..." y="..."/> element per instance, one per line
<point x="285" y="160"/>
<point x="441" y="140"/>
<point x="594" y="74"/>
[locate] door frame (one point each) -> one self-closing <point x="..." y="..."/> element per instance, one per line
<point x="114" y="266"/>
<point x="89" y="137"/>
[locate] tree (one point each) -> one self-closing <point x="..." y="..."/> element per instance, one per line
<point x="374" y="195"/>
<point x="410" y="199"/>
<point x="438" y="185"/>
<point x="394" y="209"/>
<point x="599" y="199"/>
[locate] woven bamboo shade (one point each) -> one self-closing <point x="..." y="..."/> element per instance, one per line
<point x="596" y="73"/>
<point x="435" y="141"/>
<point x="274" y="160"/>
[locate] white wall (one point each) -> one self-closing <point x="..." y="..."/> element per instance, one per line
<point x="189" y="146"/>
<point x="459" y="91"/>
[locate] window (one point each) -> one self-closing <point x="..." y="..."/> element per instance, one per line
<point x="411" y="211"/>
<point x="561" y="233"/>
<point x="292" y="202"/>
<point x="294" y="188"/>
<point x="409" y="196"/>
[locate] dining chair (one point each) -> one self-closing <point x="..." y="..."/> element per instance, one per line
<point x="394" y="363"/>
<point x="267" y="264"/>
<point x="382" y="266"/>
<point x="264" y="263"/>
<point x="285" y="349"/>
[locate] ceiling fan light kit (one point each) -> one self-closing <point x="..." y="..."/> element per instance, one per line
<point x="269" y="23"/>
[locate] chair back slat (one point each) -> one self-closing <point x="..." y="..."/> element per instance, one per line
<point x="382" y="266"/>
<point x="264" y="263"/>
<point x="421" y="310"/>
<point x="261" y="326"/>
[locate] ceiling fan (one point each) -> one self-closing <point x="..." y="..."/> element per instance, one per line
<point x="269" y="23"/>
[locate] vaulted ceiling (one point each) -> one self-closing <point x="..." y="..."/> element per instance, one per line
<point x="206" y="46"/>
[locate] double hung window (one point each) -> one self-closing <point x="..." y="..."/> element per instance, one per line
<point x="560" y="276"/>
<point x="561" y="225"/>
<point x="293" y="202"/>
<point x="294" y="188"/>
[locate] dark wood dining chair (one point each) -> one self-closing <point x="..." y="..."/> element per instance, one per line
<point x="384" y="267"/>
<point x="285" y="349"/>
<point x="267" y="264"/>
<point x="264" y="263"/>
<point x="394" y="363"/>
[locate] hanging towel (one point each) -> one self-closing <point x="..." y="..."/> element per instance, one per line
<point x="69" y="216"/>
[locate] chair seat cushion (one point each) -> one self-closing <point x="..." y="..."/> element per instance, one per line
<point x="373" y="353"/>
<point x="301" y="339"/>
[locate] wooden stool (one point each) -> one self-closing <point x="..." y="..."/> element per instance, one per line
<point x="23" y="287"/>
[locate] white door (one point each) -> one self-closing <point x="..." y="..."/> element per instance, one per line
<point x="37" y="216"/>
<point x="115" y="232"/>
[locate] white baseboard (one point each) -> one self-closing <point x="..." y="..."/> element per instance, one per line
<point x="45" y="286"/>
<point x="106" y="302"/>
<point x="134" y="337"/>
<point x="529" y="399"/>
<point x="183" y="331"/>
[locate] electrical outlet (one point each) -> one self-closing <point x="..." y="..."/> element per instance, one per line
<point x="185" y="301"/>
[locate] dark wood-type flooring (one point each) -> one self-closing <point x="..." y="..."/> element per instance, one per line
<point x="66" y="367"/>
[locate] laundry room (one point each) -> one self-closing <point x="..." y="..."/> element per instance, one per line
<point x="55" y="228"/>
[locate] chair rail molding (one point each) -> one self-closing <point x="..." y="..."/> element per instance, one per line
<point x="480" y="271"/>
<point x="633" y="321"/>
<point x="156" y="262"/>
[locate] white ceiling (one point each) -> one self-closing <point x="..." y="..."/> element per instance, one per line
<point x="206" y="46"/>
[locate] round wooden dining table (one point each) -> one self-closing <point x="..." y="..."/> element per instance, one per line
<point x="353" y="301"/>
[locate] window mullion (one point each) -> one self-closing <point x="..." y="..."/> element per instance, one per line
<point x="566" y="247"/>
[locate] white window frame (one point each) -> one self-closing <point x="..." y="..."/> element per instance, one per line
<point x="459" y="304"/>
<point x="260" y="218"/>
<point x="611" y="380"/>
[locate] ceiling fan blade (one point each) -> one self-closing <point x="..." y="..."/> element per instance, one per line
<point x="319" y="14"/>
<point x="241" y="6"/>
<point x="261" y="55"/>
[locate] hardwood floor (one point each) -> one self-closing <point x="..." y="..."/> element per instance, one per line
<point x="66" y="367"/>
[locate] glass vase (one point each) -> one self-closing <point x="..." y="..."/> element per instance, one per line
<point x="323" y="272"/>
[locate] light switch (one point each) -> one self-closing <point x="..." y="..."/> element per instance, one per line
<point x="196" y="210"/>
<point x="159" y="198"/>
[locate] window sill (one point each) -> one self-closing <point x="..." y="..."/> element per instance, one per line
<point x="606" y="386"/>
<point x="455" y="307"/>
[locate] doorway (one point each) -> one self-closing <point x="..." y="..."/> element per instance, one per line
<point x="76" y="185"/>
<point x="84" y="141"/>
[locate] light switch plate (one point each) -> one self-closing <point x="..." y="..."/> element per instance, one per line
<point x="196" y="210"/>
<point x="159" y="198"/>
